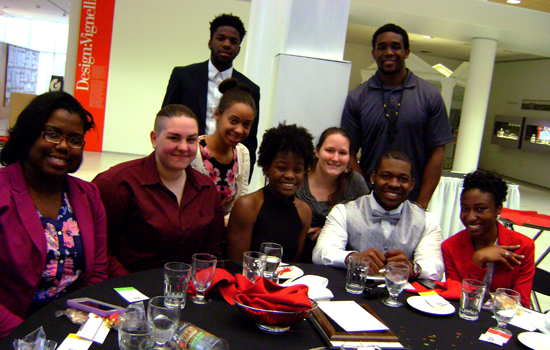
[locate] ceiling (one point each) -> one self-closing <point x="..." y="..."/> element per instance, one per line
<point x="44" y="10"/>
<point x="58" y="10"/>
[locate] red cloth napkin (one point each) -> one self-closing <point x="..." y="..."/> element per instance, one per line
<point x="520" y="217"/>
<point x="267" y="295"/>
<point x="452" y="289"/>
<point x="264" y="294"/>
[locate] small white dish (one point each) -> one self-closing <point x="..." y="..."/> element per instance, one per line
<point x="535" y="340"/>
<point x="420" y="304"/>
<point x="289" y="272"/>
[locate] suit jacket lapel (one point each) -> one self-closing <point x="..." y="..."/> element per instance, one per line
<point x="27" y="210"/>
<point x="200" y="79"/>
<point x="82" y="212"/>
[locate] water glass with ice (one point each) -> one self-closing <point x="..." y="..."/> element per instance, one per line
<point x="397" y="276"/>
<point x="136" y="335"/>
<point x="176" y="279"/>
<point x="471" y="299"/>
<point x="505" y="306"/>
<point x="274" y="254"/>
<point x="254" y="265"/>
<point x="356" y="277"/>
<point x="164" y="313"/>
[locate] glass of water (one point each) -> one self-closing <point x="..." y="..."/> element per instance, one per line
<point x="397" y="275"/>
<point x="505" y="305"/>
<point x="203" y="269"/>
<point x="274" y="254"/>
<point x="164" y="313"/>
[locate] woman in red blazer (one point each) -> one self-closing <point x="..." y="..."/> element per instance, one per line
<point x="486" y="250"/>
<point x="52" y="226"/>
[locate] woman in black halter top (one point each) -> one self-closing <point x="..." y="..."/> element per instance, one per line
<point x="273" y="214"/>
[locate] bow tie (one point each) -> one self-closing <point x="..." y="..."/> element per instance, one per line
<point x="378" y="216"/>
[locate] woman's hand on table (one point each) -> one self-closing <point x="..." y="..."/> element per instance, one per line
<point x="498" y="253"/>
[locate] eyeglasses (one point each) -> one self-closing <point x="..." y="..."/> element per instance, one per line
<point x="54" y="137"/>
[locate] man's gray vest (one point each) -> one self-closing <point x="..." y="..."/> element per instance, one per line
<point x="363" y="234"/>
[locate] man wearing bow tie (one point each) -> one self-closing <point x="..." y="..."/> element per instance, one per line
<point x="384" y="226"/>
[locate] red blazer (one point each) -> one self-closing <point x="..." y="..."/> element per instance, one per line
<point x="459" y="249"/>
<point x="23" y="242"/>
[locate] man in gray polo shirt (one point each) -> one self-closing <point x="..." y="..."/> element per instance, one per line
<point x="395" y="109"/>
<point x="384" y="226"/>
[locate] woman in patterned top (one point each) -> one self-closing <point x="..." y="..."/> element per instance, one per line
<point x="52" y="226"/>
<point x="221" y="156"/>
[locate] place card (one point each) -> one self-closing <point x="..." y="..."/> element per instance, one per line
<point x="74" y="342"/>
<point x="524" y="319"/>
<point x="95" y="328"/>
<point x="351" y="316"/>
<point x="131" y="294"/>
<point x="495" y="337"/>
<point x="434" y="300"/>
<point x="89" y="329"/>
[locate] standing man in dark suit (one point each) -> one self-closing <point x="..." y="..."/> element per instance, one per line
<point x="196" y="85"/>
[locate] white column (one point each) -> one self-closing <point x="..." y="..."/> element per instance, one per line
<point x="474" y="108"/>
<point x="304" y="28"/>
<point x="447" y="87"/>
<point x="72" y="45"/>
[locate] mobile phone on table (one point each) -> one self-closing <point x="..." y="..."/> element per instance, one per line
<point x="429" y="284"/>
<point x="97" y="307"/>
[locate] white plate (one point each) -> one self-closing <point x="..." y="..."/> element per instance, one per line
<point x="294" y="272"/>
<point x="420" y="304"/>
<point x="535" y="340"/>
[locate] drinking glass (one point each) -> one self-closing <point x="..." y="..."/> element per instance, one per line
<point x="471" y="299"/>
<point x="356" y="276"/>
<point x="136" y="335"/>
<point x="176" y="279"/>
<point x="397" y="275"/>
<point x="202" y="272"/>
<point x="505" y="305"/>
<point x="164" y="313"/>
<point x="274" y="254"/>
<point x="253" y="265"/>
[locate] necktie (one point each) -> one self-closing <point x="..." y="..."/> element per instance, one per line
<point x="378" y="216"/>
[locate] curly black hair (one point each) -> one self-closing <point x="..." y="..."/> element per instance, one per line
<point x="30" y="123"/>
<point x="227" y="20"/>
<point x="488" y="183"/>
<point x="286" y="138"/>
<point x="390" y="27"/>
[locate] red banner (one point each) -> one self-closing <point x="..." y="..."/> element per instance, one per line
<point x="92" y="65"/>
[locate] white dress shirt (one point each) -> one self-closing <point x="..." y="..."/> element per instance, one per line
<point x="331" y="244"/>
<point x="215" y="77"/>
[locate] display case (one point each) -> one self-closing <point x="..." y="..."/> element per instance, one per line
<point x="507" y="131"/>
<point x="536" y="135"/>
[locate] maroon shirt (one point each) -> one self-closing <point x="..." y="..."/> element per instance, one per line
<point x="145" y="226"/>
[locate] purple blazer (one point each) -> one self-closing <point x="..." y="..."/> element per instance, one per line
<point x="23" y="248"/>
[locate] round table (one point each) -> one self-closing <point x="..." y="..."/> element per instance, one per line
<point x="415" y="329"/>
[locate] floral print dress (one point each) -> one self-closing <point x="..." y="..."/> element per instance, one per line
<point x="223" y="175"/>
<point x="65" y="256"/>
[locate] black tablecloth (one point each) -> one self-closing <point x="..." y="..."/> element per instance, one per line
<point x="414" y="328"/>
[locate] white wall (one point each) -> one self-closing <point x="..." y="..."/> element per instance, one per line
<point x="513" y="82"/>
<point x="360" y="57"/>
<point x="149" y="39"/>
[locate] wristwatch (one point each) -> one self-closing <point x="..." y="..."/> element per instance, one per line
<point x="417" y="269"/>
